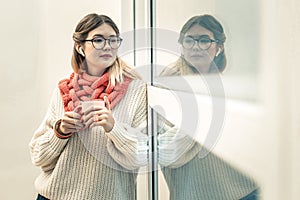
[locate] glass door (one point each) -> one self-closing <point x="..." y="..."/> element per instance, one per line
<point x="205" y="59"/>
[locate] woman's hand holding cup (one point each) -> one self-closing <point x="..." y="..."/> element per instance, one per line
<point x="98" y="113"/>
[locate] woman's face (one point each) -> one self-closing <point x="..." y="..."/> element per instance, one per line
<point x="99" y="60"/>
<point x="197" y="57"/>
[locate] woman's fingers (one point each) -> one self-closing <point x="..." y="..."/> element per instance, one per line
<point x="103" y="120"/>
<point x="98" y="114"/>
<point x="100" y="118"/>
<point x="73" y="125"/>
<point x="72" y="115"/>
<point x="100" y="111"/>
<point x="89" y="122"/>
<point x="93" y="106"/>
<point x="96" y="117"/>
<point x="71" y="122"/>
<point x="106" y="102"/>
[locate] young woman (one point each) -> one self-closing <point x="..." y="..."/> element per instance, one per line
<point x="87" y="149"/>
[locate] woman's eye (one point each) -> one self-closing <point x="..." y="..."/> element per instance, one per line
<point x="204" y="40"/>
<point x="98" y="40"/>
<point x="114" y="40"/>
<point x="189" y="41"/>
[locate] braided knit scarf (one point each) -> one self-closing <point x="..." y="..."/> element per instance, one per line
<point x="84" y="87"/>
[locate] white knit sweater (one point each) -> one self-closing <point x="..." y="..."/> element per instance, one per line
<point x="93" y="164"/>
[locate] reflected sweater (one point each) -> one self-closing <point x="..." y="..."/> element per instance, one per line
<point x="188" y="174"/>
<point x="93" y="164"/>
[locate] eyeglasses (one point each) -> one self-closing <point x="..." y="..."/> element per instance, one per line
<point x="203" y="43"/>
<point x="99" y="42"/>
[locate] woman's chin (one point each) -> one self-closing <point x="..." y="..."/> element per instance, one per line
<point x="201" y="68"/>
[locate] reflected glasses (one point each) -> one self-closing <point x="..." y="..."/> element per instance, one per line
<point x="99" y="42"/>
<point x="203" y="43"/>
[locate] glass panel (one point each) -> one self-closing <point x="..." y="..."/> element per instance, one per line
<point x="135" y="51"/>
<point x="191" y="83"/>
<point x="139" y="50"/>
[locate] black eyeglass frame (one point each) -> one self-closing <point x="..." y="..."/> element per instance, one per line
<point x="198" y="42"/>
<point x="105" y="40"/>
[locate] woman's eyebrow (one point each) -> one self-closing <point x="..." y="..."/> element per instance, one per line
<point x="100" y="35"/>
<point x="198" y="36"/>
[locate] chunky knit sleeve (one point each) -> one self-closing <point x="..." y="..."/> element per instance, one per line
<point x="45" y="147"/>
<point x="175" y="148"/>
<point x="127" y="141"/>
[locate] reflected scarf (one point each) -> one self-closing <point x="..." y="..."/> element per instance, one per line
<point x="84" y="87"/>
<point x="182" y="68"/>
<point x="179" y="68"/>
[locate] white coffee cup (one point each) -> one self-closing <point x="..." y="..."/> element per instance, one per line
<point x="87" y="104"/>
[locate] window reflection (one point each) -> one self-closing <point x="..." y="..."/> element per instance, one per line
<point x="202" y="47"/>
<point x="191" y="169"/>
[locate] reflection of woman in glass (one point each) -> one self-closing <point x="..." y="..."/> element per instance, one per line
<point x="202" y="42"/>
<point x="188" y="174"/>
<point x="90" y="153"/>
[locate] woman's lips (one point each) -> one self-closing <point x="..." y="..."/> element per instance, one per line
<point x="106" y="56"/>
<point x="197" y="55"/>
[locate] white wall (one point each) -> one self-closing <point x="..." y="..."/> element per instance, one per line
<point x="282" y="51"/>
<point x="19" y="97"/>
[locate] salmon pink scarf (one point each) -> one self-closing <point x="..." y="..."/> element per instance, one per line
<point x="84" y="87"/>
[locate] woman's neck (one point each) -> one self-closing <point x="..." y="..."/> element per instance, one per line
<point x="95" y="72"/>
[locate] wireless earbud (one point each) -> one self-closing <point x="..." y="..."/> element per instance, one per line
<point x="81" y="51"/>
<point x="218" y="52"/>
